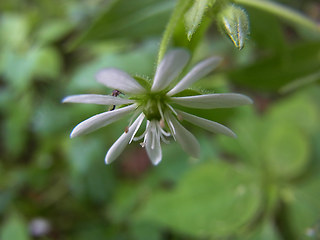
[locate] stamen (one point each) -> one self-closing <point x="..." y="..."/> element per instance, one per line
<point x="137" y="128"/>
<point x="143" y="134"/>
<point x="153" y="131"/>
<point x="160" y="110"/>
<point x="165" y="133"/>
<point x="134" y="116"/>
<point x="162" y="123"/>
<point x="146" y="136"/>
<point x="139" y="137"/>
<point x="158" y="133"/>
<point x="153" y="141"/>
<point x="171" y="108"/>
<point x="164" y="140"/>
<point x="171" y="127"/>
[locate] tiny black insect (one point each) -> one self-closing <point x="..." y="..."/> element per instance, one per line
<point x="115" y="93"/>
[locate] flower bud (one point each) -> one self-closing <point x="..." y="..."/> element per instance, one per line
<point x="234" y="21"/>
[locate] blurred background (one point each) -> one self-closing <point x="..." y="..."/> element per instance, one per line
<point x="263" y="185"/>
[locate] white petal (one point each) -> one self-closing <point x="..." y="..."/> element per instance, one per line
<point x="187" y="141"/>
<point x="170" y="67"/>
<point x="223" y="100"/>
<point x="118" y="147"/>
<point x="96" y="99"/>
<point x="153" y="146"/>
<point x="207" y="124"/>
<point x="101" y="120"/>
<point x="120" y="80"/>
<point x="199" y="71"/>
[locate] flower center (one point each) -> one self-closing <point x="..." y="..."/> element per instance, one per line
<point x="152" y="105"/>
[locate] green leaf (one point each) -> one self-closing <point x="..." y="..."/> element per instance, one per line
<point x="140" y="60"/>
<point x="13" y="23"/>
<point x="124" y="201"/>
<point x="194" y="15"/>
<point x="90" y="228"/>
<point x="5" y="197"/>
<point x="286" y="150"/>
<point x="213" y="199"/>
<point x="145" y="230"/>
<point x="274" y="42"/>
<point x="52" y="31"/>
<point x="272" y="72"/>
<point x="14" y="228"/>
<point x="301" y="82"/>
<point x="267" y="231"/>
<point x="25" y="62"/>
<point x="299" y="109"/>
<point x="246" y="147"/>
<point x="16" y="124"/>
<point x="48" y="63"/>
<point x="129" y="19"/>
<point x="90" y="179"/>
<point x="304" y="208"/>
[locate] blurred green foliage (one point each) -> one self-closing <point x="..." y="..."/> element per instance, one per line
<point x="263" y="185"/>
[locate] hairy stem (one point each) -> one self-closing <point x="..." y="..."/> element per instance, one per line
<point x="175" y="17"/>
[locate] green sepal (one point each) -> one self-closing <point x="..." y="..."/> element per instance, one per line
<point x="195" y="14"/>
<point x="187" y="92"/>
<point x="143" y="82"/>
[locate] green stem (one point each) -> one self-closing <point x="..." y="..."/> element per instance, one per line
<point x="175" y="17"/>
<point x="282" y="12"/>
<point x="295" y="84"/>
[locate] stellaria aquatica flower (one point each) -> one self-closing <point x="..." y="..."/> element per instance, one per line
<point x="156" y="103"/>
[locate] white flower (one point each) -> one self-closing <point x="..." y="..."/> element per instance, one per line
<point x="155" y="104"/>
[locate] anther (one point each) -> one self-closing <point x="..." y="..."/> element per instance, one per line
<point x="162" y="123"/>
